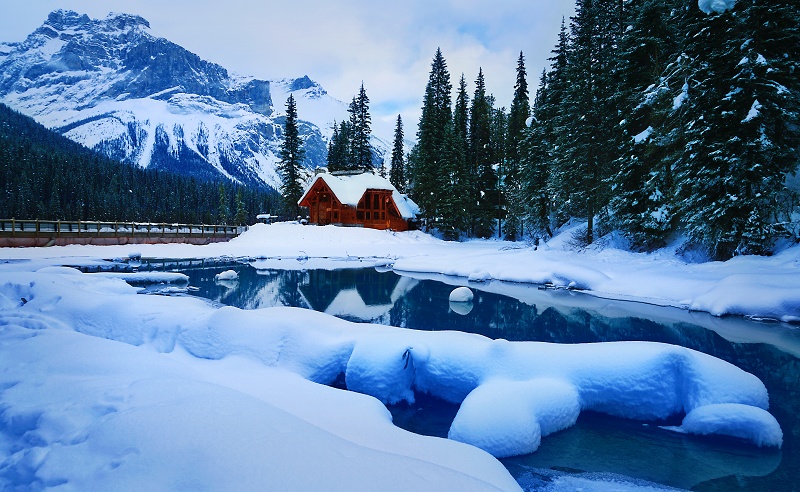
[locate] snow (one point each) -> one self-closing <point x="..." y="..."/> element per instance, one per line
<point x="350" y="188"/>
<point x="644" y="135"/>
<point x="509" y="418"/>
<point x="753" y="112"/>
<point x="759" y="287"/>
<point x="461" y="294"/>
<point x="730" y="419"/>
<point x="718" y="6"/>
<point x="147" y="277"/>
<point x="682" y="97"/>
<point x="227" y="275"/>
<point x="103" y="388"/>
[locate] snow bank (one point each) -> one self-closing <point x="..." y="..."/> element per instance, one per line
<point x="743" y="285"/>
<point x="138" y="278"/>
<point x="509" y="418"/>
<point x="195" y="397"/>
<point x="730" y="419"/>
<point x="226" y="397"/>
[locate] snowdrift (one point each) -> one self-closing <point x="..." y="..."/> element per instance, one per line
<point x="227" y="398"/>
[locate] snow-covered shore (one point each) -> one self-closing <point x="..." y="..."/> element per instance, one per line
<point x="102" y="388"/>
<point x="759" y="287"/>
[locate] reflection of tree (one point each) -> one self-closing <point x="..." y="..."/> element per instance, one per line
<point x="322" y="286"/>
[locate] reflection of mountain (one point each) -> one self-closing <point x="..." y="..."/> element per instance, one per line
<point x="363" y="295"/>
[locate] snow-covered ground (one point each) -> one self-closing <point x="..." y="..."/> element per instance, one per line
<point x="758" y="287"/>
<point x="104" y="389"/>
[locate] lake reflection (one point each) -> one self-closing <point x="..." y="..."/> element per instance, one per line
<point x="518" y="312"/>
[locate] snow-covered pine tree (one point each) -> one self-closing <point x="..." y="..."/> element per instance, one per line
<point x="425" y="159"/>
<point x="480" y="160"/>
<point x="361" y="123"/>
<point x="498" y="145"/>
<point x="397" y="174"/>
<point x="585" y="154"/>
<point x="536" y="148"/>
<point x="641" y="202"/>
<point x="452" y="221"/>
<point x="762" y="109"/>
<point x="512" y="175"/>
<point x="339" y="147"/>
<point x="290" y="166"/>
<point x="742" y="129"/>
<point x="464" y="206"/>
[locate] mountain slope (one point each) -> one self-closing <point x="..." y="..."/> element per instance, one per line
<point x="114" y="86"/>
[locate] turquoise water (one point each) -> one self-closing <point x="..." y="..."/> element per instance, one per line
<point x="597" y="443"/>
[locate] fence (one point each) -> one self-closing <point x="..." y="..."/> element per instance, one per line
<point x="14" y="232"/>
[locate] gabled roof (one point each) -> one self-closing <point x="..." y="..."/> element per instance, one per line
<point x="350" y="188"/>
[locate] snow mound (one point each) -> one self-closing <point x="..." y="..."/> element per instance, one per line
<point x="718" y="6"/>
<point x="509" y="418"/>
<point x="106" y="387"/>
<point x="461" y="294"/>
<point x="227" y="275"/>
<point x="138" y="278"/>
<point x="731" y="419"/>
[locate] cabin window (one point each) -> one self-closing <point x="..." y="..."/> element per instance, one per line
<point x="336" y="216"/>
<point x="359" y="215"/>
<point x="375" y="199"/>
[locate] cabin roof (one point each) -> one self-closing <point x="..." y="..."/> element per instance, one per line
<point x="350" y="188"/>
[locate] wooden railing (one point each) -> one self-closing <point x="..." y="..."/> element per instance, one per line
<point x="59" y="228"/>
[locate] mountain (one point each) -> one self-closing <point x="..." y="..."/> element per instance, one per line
<point x="117" y="88"/>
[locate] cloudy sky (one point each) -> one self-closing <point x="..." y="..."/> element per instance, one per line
<point x="387" y="45"/>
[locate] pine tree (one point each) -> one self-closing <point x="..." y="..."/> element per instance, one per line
<point x="480" y="161"/>
<point x="641" y="206"/>
<point x="463" y="180"/>
<point x="397" y="174"/>
<point x="741" y="127"/>
<point x="241" y="212"/>
<point x="333" y="162"/>
<point x="546" y="178"/>
<point x="592" y="143"/>
<point x="425" y="159"/>
<point x="223" y="210"/>
<point x="360" y="128"/>
<point x="536" y="148"/>
<point x="290" y="166"/>
<point x="339" y="147"/>
<point x="517" y="118"/>
<point x="499" y="158"/>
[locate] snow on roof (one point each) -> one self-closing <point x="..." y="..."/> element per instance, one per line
<point x="349" y="188"/>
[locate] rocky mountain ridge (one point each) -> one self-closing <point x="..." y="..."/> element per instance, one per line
<point x="115" y="87"/>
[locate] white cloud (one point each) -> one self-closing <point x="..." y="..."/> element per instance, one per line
<point x="387" y="45"/>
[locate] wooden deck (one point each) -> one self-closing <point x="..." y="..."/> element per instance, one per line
<point x="32" y="233"/>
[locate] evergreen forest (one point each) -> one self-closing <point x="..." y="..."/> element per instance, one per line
<point x="655" y="119"/>
<point x="47" y="176"/>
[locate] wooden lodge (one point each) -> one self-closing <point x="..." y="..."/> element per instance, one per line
<point x="358" y="199"/>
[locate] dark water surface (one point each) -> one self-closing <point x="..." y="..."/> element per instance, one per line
<point x="597" y="443"/>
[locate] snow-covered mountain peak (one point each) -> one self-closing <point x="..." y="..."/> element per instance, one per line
<point x="115" y="87"/>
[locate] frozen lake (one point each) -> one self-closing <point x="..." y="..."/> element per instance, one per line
<point x="597" y="444"/>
